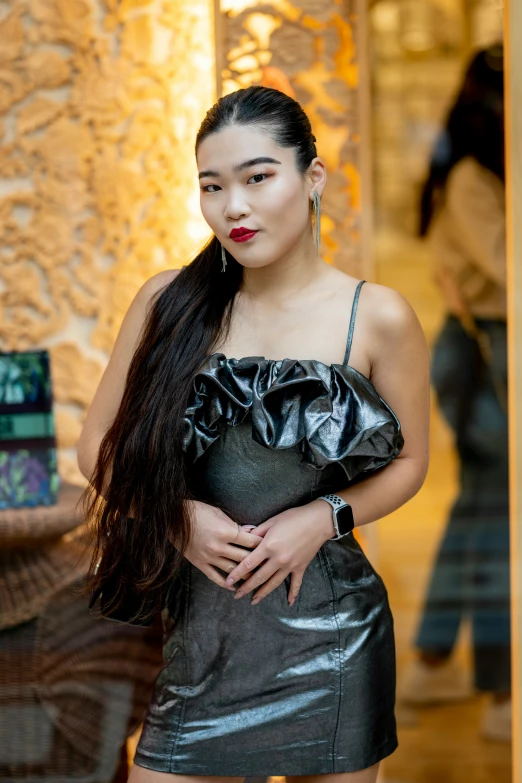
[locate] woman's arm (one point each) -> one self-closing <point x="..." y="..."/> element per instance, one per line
<point x="109" y="393"/>
<point x="400" y="373"/>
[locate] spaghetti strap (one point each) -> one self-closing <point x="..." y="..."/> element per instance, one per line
<point x="352" y="321"/>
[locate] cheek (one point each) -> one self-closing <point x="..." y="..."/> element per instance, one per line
<point x="208" y="210"/>
<point x="285" y="206"/>
<point x="286" y="219"/>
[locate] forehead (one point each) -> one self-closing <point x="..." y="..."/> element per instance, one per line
<point x="231" y="146"/>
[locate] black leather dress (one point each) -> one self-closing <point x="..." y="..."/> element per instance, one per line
<point x="272" y="689"/>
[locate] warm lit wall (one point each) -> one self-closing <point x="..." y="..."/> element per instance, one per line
<point x="99" y="105"/>
<point x="100" y="101"/>
<point x="310" y="50"/>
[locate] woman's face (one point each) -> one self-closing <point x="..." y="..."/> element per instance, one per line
<point x="269" y="196"/>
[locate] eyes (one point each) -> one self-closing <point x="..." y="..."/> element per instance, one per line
<point x="205" y="188"/>
<point x="257" y="175"/>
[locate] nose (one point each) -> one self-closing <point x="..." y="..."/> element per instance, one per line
<point x="235" y="206"/>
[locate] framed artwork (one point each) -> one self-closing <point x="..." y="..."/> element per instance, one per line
<point x="28" y="464"/>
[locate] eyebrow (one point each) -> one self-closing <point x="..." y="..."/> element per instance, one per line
<point x="245" y="165"/>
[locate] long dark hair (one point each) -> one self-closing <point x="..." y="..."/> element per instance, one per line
<point x="140" y="471"/>
<point x="474" y="127"/>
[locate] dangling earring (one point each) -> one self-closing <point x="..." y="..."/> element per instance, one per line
<point x="316" y="207"/>
<point x="223" y="258"/>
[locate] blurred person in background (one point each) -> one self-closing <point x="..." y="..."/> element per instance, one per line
<point x="462" y="216"/>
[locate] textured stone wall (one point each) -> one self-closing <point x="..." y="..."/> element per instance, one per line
<point x="309" y="49"/>
<point x="99" y="106"/>
<point x="100" y="101"/>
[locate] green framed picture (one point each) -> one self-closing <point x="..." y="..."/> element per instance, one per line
<point x="28" y="462"/>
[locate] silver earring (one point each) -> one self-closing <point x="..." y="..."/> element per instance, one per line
<point x="223" y="258"/>
<point x="316" y="206"/>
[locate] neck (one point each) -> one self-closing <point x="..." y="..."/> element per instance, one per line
<point x="286" y="276"/>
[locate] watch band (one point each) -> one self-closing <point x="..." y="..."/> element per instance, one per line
<point x="337" y="503"/>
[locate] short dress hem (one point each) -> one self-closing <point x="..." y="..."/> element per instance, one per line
<point x="266" y="770"/>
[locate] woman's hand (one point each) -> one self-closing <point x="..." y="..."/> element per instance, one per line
<point x="290" y="541"/>
<point x="217" y="542"/>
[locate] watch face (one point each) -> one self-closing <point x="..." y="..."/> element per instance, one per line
<point x="345" y="519"/>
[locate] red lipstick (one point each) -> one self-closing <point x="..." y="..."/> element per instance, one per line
<point x="242" y="234"/>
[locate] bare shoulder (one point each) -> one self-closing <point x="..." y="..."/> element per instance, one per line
<point x="380" y="308"/>
<point x="386" y="312"/>
<point x="394" y="336"/>
<point x="138" y="312"/>
<point x="155" y="284"/>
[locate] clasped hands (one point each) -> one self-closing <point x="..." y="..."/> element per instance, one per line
<point x="282" y="545"/>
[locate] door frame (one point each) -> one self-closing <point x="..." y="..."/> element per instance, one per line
<point x="513" y="91"/>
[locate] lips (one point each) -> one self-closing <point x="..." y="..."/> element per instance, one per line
<point x="242" y="234"/>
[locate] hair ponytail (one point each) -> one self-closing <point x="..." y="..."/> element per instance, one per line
<point x="142" y="451"/>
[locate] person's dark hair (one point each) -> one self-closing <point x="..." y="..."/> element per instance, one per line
<point x="140" y="469"/>
<point x="474" y="128"/>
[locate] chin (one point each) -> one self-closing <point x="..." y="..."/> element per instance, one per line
<point x="254" y="264"/>
<point x="252" y="260"/>
<point x="257" y="258"/>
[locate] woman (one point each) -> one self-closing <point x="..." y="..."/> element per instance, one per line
<point x="223" y="464"/>
<point x="463" y="217"/>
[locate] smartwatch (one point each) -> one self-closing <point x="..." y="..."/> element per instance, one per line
<point x="342" y="516"/>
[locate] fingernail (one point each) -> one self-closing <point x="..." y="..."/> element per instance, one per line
<point x="239" y="595"/>
<point x="254" y="601"/>
<point x="229" y="580"/>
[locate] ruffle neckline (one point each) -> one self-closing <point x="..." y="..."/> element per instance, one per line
<point x="333" y="413"/>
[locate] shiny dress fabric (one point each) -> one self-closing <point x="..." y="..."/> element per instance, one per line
<point x="273" y="689"/>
